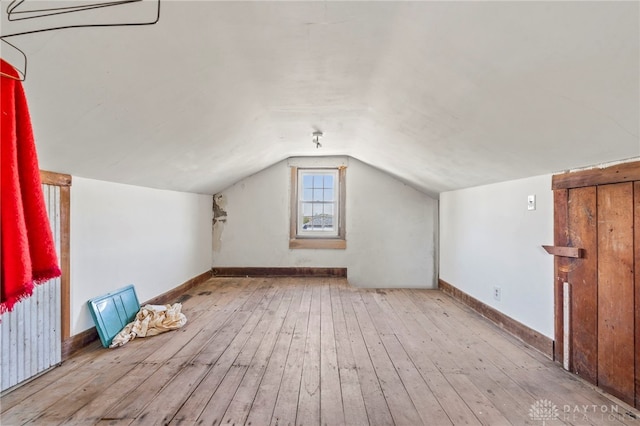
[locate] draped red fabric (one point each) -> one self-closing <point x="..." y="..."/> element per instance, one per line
<point x="27" y="250"/>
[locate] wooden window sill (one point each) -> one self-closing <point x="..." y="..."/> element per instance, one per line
<point x="317" y="243"/>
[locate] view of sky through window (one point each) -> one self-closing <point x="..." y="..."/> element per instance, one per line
<point x="318" y="201"/>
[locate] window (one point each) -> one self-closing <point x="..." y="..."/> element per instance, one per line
<point x="317" y="200"/>
<point x="317" y="208"/>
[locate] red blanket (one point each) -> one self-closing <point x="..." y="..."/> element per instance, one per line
<point x="27" y="252"/>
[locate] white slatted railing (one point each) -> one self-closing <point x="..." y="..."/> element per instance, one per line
<point x="30" y="335"/>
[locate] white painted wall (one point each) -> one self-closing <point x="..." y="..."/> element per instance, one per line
<point x="122" y="234"/>
<point x="391" y="229"/>
<point x="488" y="238"/>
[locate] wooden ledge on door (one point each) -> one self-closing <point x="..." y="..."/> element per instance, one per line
<point x="564" y="251"/>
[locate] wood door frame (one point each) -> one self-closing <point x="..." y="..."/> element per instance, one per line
<point x="560" y="271"/>
<point x="618" y="173"/>
<point x="636" y="188"/>
<point x="64" y="182"/>
<point x="561" y="184"/>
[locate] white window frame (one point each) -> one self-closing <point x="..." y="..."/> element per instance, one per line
<point x="301" y="238"/>
<point x="335" y="201"/>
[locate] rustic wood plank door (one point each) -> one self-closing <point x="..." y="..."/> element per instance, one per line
<point x="598" y="211"/>
<point x="583" y="277"/>
<point x="604" y="222"/>
<point x="616" y="364"/>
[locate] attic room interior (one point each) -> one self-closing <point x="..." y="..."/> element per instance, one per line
<point x="368" y="212"/>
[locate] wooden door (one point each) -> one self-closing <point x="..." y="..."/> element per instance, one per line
<point x="598" y="211"/>
<point x="616" y="363"/>
<point x="636" y="234"/>
<point x="583" y="278"/>
<point x="602" y="287"/>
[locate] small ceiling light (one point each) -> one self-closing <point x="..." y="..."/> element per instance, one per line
<point x="316" y="138"/>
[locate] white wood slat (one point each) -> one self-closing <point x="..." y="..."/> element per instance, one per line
<point x="30" y="334"/>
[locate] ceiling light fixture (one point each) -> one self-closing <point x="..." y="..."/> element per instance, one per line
<point x="316" y="138"/>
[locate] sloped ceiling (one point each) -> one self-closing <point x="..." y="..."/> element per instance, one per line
<point x="442" y="95"/>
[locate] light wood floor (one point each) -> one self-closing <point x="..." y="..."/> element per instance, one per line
<point x="309" y="352"/>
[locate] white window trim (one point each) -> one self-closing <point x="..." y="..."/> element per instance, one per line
<point x="300" y="231"/>
<point x="301" y="240"/>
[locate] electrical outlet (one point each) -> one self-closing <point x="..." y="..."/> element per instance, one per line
<point x="497" y="293"/>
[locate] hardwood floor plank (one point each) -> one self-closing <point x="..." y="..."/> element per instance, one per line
<point x="219" y="354"/>
<point x="74" y="406"/>
<point x="114" y="422"/>
<point x="534" y="382"/>
<point x="505" y="366"/>
<point x="510" y="347"/>
<point x="507" y="370"/>
<point x="484" y="410"/>
<point x="165" y="403"/>
<point x="378" y="412"/>
<point x="465" y="348"/>
<point x="190" y="339"/>
<point x="286" y="408"/>
<point x="331" y="410"/>
<point x="38" y="404"/>
<point x="398" y="400"/>
<point x="110" y="395"/>
<point x="309" y="351"/>
<point x="106" y="397"/>
<point x="309" y="397"/>
<point x="355" y="412"/>
<point x="418" y="389"/>
<point x="161" y="369"/>
<point x="133" y="404"/>
<point x="265" y="400"/>
<point x="32" y="387"/>
<point x="424" y="347"/>
<point x="242" y="401"/>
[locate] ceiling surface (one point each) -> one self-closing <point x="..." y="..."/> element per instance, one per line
<point x="442" y="95"/>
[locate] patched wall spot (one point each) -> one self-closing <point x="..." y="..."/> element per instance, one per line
<point x="219" y="220"/>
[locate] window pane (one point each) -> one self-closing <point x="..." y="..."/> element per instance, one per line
<point x="327" y="219"/>
<point x="317" y="209"/>
<point x="328" y="181"/>
<point x="317" y="181"/>
<point x="328" y="210"/>
<point x="307" y="181"/>
<point x="306" y="209"/>
<point x="318" y="195"/>
<point x="308" y="195"/>
<point x="328" y="195"/>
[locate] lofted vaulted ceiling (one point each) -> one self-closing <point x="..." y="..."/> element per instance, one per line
<point x="442" y="95"/>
